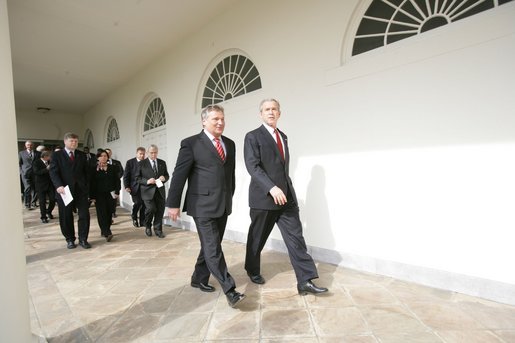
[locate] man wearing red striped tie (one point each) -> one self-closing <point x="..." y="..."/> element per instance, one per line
<point x="207" y="162"/>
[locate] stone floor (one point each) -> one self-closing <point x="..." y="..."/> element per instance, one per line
<point x="136" y="289"/>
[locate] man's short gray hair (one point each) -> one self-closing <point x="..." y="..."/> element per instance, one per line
<point x="152" y="146"/>
<point x="269" y="100"/>
<point x="209" y="108"/>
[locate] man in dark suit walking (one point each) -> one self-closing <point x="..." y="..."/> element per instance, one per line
<point x="132" y="187"/>
<point x="90" y="157"/>
<point x="69" y="167"/>
<point x="44" y="187"/>
<point x="207" y="162"/>
<point x="119" y="169"/>
<point x="273" y="201"/>
<point x="25" y="158"/>
<point x="151" y="175"/>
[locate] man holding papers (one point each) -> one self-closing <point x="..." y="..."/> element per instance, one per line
<point x="69" y="167"/>
<point x="151" y="175"/>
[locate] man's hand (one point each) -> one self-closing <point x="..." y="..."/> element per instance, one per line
<point x="162" y="178"/>
<point x="174" y="213"/>
<point x="151" y="181"/>
<point x="60" y="190"/>
<point x="128" y="190"/>
<point x="278" y="195"/>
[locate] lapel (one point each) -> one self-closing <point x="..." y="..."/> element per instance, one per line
<point x="210" y="146"/>
<point x="270" y="141"/>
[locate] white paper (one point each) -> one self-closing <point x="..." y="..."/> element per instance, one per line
<point x="67" y="196"/>
<point x="159" y="183"/>
<point x="114" y="195"/>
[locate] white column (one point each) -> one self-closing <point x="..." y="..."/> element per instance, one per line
<point x="14" y="309"/>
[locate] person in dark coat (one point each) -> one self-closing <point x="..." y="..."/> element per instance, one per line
<point x="44" y="187"/>
<point x="132" y="187"/>
<point x="104" y="187"/>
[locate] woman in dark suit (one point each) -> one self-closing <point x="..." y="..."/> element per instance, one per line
<point x="104" y="187"/>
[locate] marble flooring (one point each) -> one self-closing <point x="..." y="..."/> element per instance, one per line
<point x="136" y="289"/>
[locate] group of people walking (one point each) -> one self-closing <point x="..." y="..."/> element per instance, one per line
<point x="206" y="162"/>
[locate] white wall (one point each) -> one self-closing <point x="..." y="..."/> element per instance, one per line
<point x="47" y="126"/>
<point x="402" y="157"/>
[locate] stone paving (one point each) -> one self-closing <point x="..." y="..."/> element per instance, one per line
<point x="136" y="289"/>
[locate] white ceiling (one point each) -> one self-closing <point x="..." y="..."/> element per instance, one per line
<point x="69" y="54"/>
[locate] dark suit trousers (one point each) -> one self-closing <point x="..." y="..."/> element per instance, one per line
<point x="138" y="206"/>
<point x="154" y="211"/>
<point x="211" y="258"/>
<point x="288" y="221"/>
<point x="104" y="207"/>
<point x="80" y="200"/>
<point x="42" y="196"/>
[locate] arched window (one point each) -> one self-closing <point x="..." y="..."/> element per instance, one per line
<point x="235" y="75"/>
<point x="112" y="131"/>
<point x="155" y="115"/>
<point x="88" y="141"/>
<point x="388" y="21"/>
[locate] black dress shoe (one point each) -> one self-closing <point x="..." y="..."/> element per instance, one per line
<point x="85" y="244"/>
<point x="257" y="278"/>
<point x="44" y="220"/>
<point x="234" y="297"/>
<point x="159" y="233"/>
<point x="135" y="223"/>
<point x="71" y="245"/>
<point x="109" y="237"/>
<point x="309" y="287"/>
<point x="50" y="216"/>
<point x="148" y="231"/>
<point x="203" y="287"/>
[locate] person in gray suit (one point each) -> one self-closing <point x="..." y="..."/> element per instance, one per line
<point x="207" y="162"/>
<point x="25" y="159"/>
<point x="273" y="201"/>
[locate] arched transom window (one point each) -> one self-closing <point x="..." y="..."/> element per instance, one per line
<point x="90" y="143"/>
<point x="388" y="21"/>
<point x="155" y="115"/>
<point x="112" y="131"/>
<point x="234" y="76"/>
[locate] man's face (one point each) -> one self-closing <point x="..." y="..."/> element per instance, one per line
<point x="71" y="143"/>
<point x="46" y="158"/>
<point x="140" y="154"/>
<point x="86" y="150"/>
<point x="270" y="113"/>
<point x="29" y="145"/>
<point x="214" y="123"/>
<point x="152" y="153"/>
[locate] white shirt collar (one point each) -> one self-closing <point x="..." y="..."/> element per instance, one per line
<point x="210" y="136"/>
<point x="68" y="150"/>
<point x="270" y="129"/>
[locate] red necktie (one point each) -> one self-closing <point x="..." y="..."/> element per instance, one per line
<point x="72" y="157"/>
<point x="279" y="143"/>
<point x="219" y="149"/>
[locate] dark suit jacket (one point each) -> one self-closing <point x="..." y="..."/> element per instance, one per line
<point x="146" y="172"/>
<point x="92" y="159"/>
<point x="119" y="167"/>
<point x="42" y="180"/>
<point x="65" y="172"/>
<point x="104" y="182"/>
<point x="211" y="181"/>
<point x="129" y="176"/>
<point x="266" y="168"/>
<point x="25" y="162"/>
